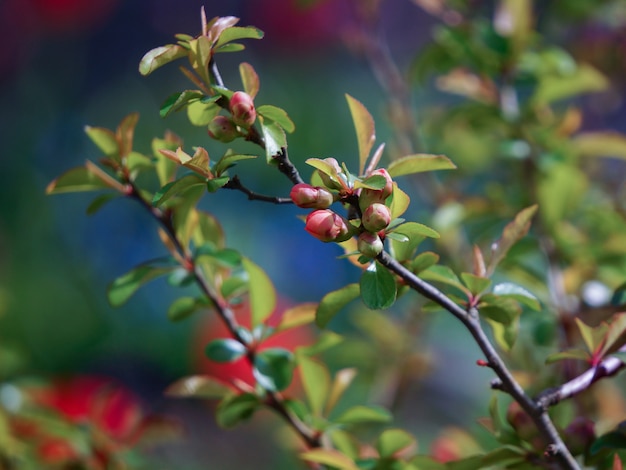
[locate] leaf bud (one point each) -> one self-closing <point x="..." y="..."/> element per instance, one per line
<point x="333" y="182"/>
<point x="311" y="197"/>
<point x="376" y="217"/>
<point x="221" y="128"/>
<point x="242" y="108"/>
<point x="327" y="226"/>
<point x="370" y="244"/>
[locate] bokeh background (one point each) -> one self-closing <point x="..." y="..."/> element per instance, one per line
<point x="65" y="64"/>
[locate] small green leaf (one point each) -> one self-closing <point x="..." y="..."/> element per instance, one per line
<point x="342" y="380"/>
<point x="364" y="126"/>
<point x="236" y="408"/>
<point x="123" y="288"/>
<point x="99" y="201"/>
<point x="577" y="354"/>
<point x="503" y="456"/>
<point x="413" y="229"/>
<point x="177" y="101"/>
<point x="274" y="138"/>
<point x="371" y="182"/>
<point x="225" y="350"/>
<point x="399" y="202"/>
<point x="378" y="287"/>
<point x="175" y="188"/>
<point x="392" y="441"/>
<point x="302" y="314"/>
<point x="419" y="163"/>
<point x="249" y="78"/>
<point x="499" y="309"/>
<point x="330" y="457"/>
<point x="513" y="291"/>
<point x="104" y="139"/>
<point x="183" y="307"/>
<point x="231" y="47"/>
<point x="585" y="79"/>
<point x="333" y="302"/>
<point x="424" y="261"/>
<point x="198" y="386"/>
<point x="80" y="179"/>
<point x="214" y="184"/>
<point x="262" y="292"/>
<point x="234" y="33"/>
<point x="476" y="284"/>
<point x="512" y="233"/>
<point x="273" y="368"/>
<point x="364" y="414"/>
<point x="443" y="274"/>
<point x="613" y="440"/>
<point x="601" y="144"/>
<point x="277" y="115"/>
<point x="201" y="113"/>
<point x="592" y="336"/>
<point x="616" y="335"/>
<point x="228" y="160"/>
<point x="316" y="382"/>
<point x="160" y="56"/>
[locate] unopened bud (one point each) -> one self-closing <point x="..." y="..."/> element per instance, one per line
<point x="311" y="197"/>
<point x="370" y="244"/>
<point x="521" y="422"/>
<point x="371" y="196"/>
<point x="242" y="108"/>
<point x="332" y="182"/>
<point x="222" y="129"/>
<point x="376" y="217"/>
<point x="579" y="435"/>
<point x="327" y="226"/>
<point x="388" y="188"/>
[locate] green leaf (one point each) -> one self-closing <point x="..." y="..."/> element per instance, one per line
<point x="277" y="115"/>
<point x="414" y="229"/>
<point x="177" y="101"/>
<point x="601" y="144"/>
<point x="123" y="288"/>
<point x="234" y="33"/>
<point x="236" y="408"/>
<point x="249" y="78"/>
<point x="274" y="138"/>
<point x="302" y="314"/>
<point x="262" y="292"/>
<point x="333" y="302"/>
<point x="82" y="179"/>
<point x="99" y="201"/>
<point x="316" y="382"/>
<point x="619" y="296"/>
<point x="443" y="274"/>
<point x="104" y="139"/>
<point x="371" y="182"/>
<point x="560" y="192"/>
<point x="499" y="309"/>
<point x="231" y="47"/>
<point x="198" y="386"/>
<point x="592" y="336"/>
<point x="183" y="307"/>
<point x="505" y="334"/>
<point x="200" y="113"/>
<point x="392" y="441"/>
<point x="419" y="163"/>
<point x="613" y="440"/>
<point x="214" y="184"/>
<point x="585" y="79"/>
<point x="228" y="160"/>
<point x="399" y="202"/>
<point x="476" y="284"/>
<point x="330" y="457"/>
<point x="616" y="335"/>
<point x="513" y="291"/>
<point x="512" y="233"/>
<point x="576" y="354"/>
<point x="378" y="287"/>
<point x="364" y="126"/>
<point x="503" y="456"/>
<point x="175" y="188"/>
<point x="273" y="368"/>
<point x="364" y="414"/>
<point x="160" y="56"/>
<point x="225" y="350"/>
<point x="424" y="261"/>
<point x="342" y="380"/>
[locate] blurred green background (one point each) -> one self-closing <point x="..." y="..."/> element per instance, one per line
<point x="65" y="64"/>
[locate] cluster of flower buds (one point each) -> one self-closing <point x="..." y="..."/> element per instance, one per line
<point x="376" y="216"/>
<point x="243" y="114"/>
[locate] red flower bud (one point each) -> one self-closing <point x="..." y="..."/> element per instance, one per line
<point x="242" y="108"/>
<point x="327" y="226"/>
<point x="311" y="197"/>
<point x="223" y="129"/>
<point x="370" y="244"/>
<point x="376" y="217"/>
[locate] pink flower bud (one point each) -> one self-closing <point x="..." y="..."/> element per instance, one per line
<point x="223" y="129"/>
<point x="242" y="108"/>
<point x="327" y="226"/>
<point x="370" y="244"/>
<point x="371" y="196"/>
<point x="376" y="217"/>
<point x="311" y="197"/>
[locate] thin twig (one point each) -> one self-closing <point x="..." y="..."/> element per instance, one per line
<point x="286" y="167"/>
<point x="235" y="183"/>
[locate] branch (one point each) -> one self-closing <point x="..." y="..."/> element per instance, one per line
<point x="286" y="167"/>
<point x="235" y="183"/>
<point x="471" y="320"/>
<point x="607" y="368"/>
